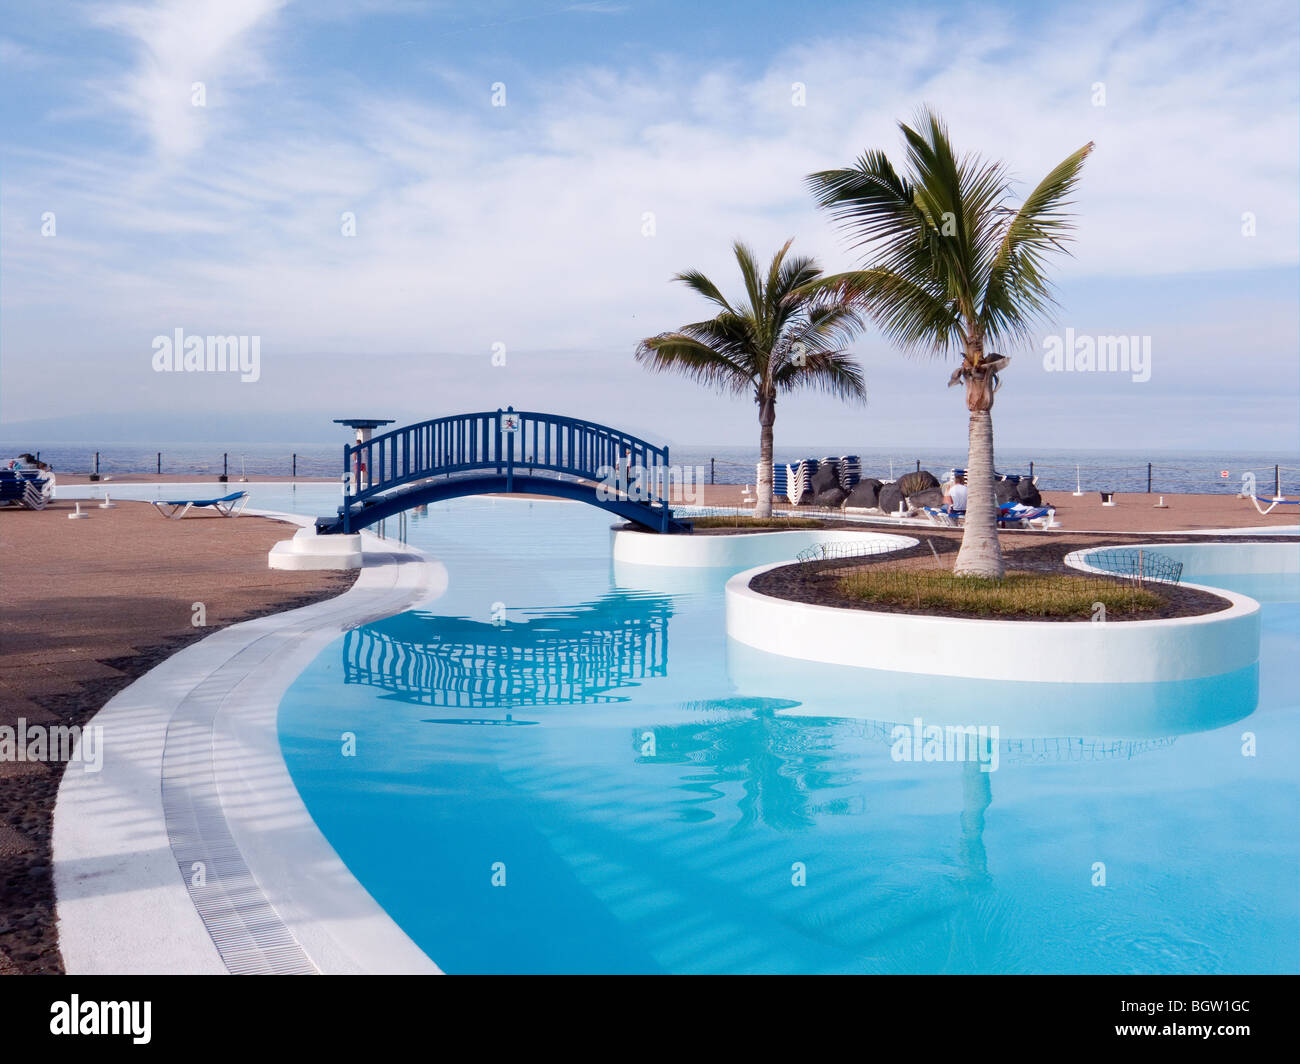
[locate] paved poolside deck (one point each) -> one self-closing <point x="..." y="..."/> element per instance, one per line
<point x="1132" y="512"/>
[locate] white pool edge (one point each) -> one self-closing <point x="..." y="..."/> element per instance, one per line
<point x="121" y="904"/>
<point x="1150" y="651"/>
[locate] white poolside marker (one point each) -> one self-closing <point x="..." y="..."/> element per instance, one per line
<point x="78" y="515"/>
<point x="108" y="504"/>
<point x="1162" y="505"/>
<point x="1078" y="487"/>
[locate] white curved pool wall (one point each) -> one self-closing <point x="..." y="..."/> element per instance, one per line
<point x="1180" y="648"/>
<point x="1216" y="559"/>
<point x="747" y="549"/>
<point x="123" y="903"/>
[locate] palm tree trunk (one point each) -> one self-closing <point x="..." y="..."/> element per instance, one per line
<point x="980" y="554"/>
<point x="763" y="490"/>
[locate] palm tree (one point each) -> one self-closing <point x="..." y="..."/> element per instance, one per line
<point x="782" y="337"/>
<point x="953" y="266"/>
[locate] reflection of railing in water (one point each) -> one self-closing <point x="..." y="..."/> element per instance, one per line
<point x="581" y="656"/>
<point x="1042" y="750"/>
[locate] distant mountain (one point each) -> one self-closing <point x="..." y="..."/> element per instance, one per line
<point x="235" y="426"/>
<point x="148" y="426"/>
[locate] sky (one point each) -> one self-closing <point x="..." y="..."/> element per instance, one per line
<point x="419" y="209"/>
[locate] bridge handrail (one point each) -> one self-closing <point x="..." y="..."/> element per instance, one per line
<point x="477" y="441"/>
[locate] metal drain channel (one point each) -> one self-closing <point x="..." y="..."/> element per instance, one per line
<point x="250" y="935"/>
<point x="247" y="931"/>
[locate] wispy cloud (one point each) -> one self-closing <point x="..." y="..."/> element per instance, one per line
<point x="184" y="48"/>
<point x="525" y="224"/>
<point x="17" y="56"/>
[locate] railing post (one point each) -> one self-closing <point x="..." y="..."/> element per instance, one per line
<point x="663" y="499"/>
<point x="510" y="461"/>
<point x="499" y="441"/>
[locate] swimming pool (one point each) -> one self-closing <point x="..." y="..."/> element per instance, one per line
<point x="649" y="796"/>
<point x="563" y="766"/>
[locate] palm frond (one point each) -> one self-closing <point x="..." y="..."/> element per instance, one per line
<point x="753" y="281"/>
<point x="700" y="283"/>
<point x="912" y="312"/>
<point x="681" y="353"/>
<point x="788" y="333"/>
<point x="1018" y="293"/>
<point x="949" y="258"/>
<point x="832" y="372"/>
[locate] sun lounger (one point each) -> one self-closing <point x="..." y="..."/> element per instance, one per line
<point x="27" y="488"/>
<point x="944" y="518"/>
<point x="849" y="468"/>
<point x="1025" y="516"/>
<point x="799" y="479"/>
<point x="227" y="506"/>
<point x="778" y="480"/>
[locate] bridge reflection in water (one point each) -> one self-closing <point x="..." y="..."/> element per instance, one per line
<point x="585" y="654"/>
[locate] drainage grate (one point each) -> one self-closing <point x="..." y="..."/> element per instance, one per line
<point x="249" y="934"/>
<point x="246" y="929"/>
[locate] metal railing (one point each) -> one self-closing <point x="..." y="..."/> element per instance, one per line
<point x="505" y="451"/>
<point x="500" y="441"/>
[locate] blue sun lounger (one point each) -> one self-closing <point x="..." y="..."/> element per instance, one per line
<point x="1018" y="513"/>
<point x="24" y="487"/>
<point x="1025" y="516"/>
<point x="227" y="506"/>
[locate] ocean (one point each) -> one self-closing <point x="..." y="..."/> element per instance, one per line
<point x="1097" y="470"/>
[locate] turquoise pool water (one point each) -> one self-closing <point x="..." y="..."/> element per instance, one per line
<point x="650" y="794"/>
<point x="563" y="766"/>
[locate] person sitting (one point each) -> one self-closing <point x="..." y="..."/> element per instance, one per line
<point x="954" y="498"/>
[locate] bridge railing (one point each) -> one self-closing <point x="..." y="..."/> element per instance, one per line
<point x="504" y="441"/>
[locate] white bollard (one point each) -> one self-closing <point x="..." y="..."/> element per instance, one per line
<point x="108" y="504"/>
<point x="78" y="516"/>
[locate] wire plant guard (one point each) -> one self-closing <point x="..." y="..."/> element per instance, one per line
<point x="1139" y="564"/>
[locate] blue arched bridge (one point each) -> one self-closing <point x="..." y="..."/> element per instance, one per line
<point x="504" y="451"/>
